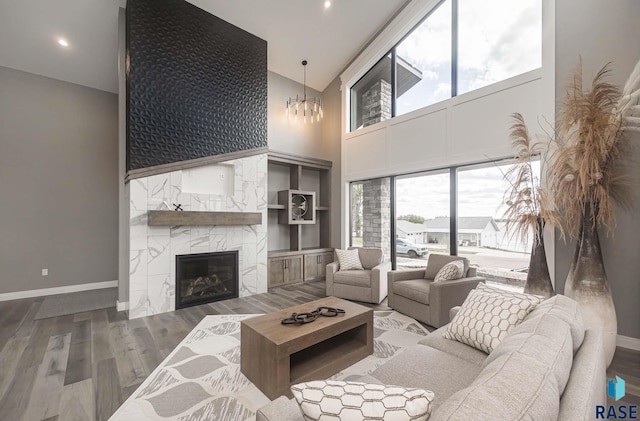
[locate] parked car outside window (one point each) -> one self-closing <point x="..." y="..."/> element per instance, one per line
<point x="404" y="246"/>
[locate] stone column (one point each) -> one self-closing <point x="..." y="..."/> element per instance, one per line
<point x="376" y="212"/>
<point x="376" y="103"/>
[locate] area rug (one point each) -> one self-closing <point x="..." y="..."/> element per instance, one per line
<point x="77" y="302"/>
<point x="201" y="379"/>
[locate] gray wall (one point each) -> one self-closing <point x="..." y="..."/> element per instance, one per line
<point x="317" y="140"/>
<point x="58" y="183"/>
<point x="314" y="140"/>
<point x="602" y="32"/>
<point x="331" y="147"/>
<point x="284" y="135"/>
<point x="123" y="189"/>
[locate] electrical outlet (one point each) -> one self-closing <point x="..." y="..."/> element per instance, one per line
<point x="45" y="272"/>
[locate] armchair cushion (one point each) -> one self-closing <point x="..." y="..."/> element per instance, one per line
<point x="370" y="257"/>
<point x="414" y="289"/>
<point x="349" y="259"/>
<point x="450" y="271"/>
<point x="360" y="278"/>
<point x="437" y="261"/>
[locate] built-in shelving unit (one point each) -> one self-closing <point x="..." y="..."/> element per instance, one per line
<point x="299" y="235"/>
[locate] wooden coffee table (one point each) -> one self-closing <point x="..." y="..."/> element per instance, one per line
<point x="275" y="356"/>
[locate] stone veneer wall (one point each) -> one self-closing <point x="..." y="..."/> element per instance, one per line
<point x="376" y="103"/>
<point x="153" y="250"/>
<point x="376" y="212"/>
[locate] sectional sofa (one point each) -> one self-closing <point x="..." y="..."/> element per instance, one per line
<point x="547" y="368"/>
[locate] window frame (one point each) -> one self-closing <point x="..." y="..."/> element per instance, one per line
<point x="453" y="195"/>
<point x="454" y="62"/>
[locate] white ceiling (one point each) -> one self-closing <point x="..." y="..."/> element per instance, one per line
<point x="294" y="29"/>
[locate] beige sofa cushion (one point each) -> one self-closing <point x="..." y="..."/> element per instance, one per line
<point x="565" y="309"/>
<point x="436" y="340"/>
<point x="413" y="289"/>
<point x="359" y="278"/>
<point x="437" y="261"/>
<point x="522" y="379"/>
<point x="428" y="368"/>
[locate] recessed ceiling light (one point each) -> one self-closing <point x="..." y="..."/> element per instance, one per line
<point x="327" y="4"/>
<point x="63" y="42"/>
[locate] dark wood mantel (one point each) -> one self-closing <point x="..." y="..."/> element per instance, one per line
<point x="163" y="218"/>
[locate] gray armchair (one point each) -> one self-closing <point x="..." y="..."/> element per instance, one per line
<point x="368" y="285"/>
<point x="414" y="293"/>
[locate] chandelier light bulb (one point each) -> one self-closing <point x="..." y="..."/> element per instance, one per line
<point x="327" y="4"/>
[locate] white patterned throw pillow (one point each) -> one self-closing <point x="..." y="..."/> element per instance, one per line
<point x="450" y="271"/>
<point x="487" y="316"/>
<point x="354" y="401"/>
<point x="349" y="259"/>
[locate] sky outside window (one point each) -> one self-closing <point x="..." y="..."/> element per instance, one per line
<point x="498" y="39"/>
<point x="425" y="53"/>
<point x="480" y="192"/>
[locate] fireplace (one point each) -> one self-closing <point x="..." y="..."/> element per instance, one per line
<point x="206" y="277"/>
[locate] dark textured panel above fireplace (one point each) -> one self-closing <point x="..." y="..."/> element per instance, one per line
<point x="196" y="85"/>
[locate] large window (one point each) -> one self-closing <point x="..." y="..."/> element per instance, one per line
<point x="422" y="218"/>
<point x="449" y="54"/>
<point x="423" y="63"/>
<point x="482" y="235"/>
<point x="497" y="39"/>
<point x="423" y="205"/>
<point x="371" y="96"/>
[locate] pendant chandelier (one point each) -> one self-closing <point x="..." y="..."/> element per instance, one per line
<point x="308" y="109"/>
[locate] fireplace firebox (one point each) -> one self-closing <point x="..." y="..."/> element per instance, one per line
<point x="206" y="277"/>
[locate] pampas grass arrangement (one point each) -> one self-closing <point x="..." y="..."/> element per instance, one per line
<point x="590" y="150"/>
<point x="588" y="177"/>
<point x="528" y="206"/>
<point x="528" y="203"/>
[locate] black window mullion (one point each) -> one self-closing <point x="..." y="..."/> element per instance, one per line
<point x="453" y="211"/>
<point x="392" y="196"/>
<point x="351" y="214"/>
<point x="394" y="82"/>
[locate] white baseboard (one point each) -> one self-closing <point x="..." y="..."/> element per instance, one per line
<point x="122" y="305"/>
<point x="628" y="342"/>
<point x="57" y="290"/>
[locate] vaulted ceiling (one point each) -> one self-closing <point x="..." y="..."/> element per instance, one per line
<point x="294" y="29"/>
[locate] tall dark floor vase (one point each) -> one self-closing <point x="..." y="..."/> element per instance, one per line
<point x="538" y="278"/>
<point x="587" y="284"/>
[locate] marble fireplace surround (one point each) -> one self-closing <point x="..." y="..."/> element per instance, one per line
<point x="153" y="249"/>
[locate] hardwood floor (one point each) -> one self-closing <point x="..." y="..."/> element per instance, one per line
<point x="83" y="366"/>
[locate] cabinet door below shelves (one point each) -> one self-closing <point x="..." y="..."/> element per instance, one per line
<point x="285" y="270"/>
<point x="315" y="265"/>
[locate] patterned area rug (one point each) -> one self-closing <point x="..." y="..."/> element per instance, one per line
<point x="201" y="379"/>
